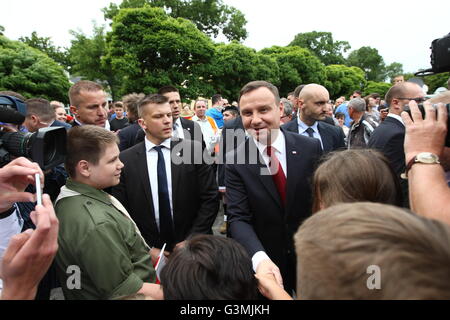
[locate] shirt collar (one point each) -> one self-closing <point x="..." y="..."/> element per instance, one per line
<point x="395" y="116"/>
<point x="279" y="144"/>
<point x="304" y="126"/>
<point x="195" y="118"/>
<point x="178" y="122"/>
<point x="88" y="191"/>
<point x="150" y="145"/>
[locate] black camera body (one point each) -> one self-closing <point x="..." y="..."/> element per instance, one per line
<point x="422" y="110"/>
<point x="47" y="146"/>
<point x="440" y="54"/>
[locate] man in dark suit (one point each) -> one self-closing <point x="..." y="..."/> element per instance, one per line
<point x="389" y="136"/>
<point x="312" y="103"/>
<point x="168" y="190"/>
<point x="128" y="134"/>
<point x="267" y="184"/>
<point x="182" y="128"/>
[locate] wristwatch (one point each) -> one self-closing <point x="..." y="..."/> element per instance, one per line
<point x="423" y="157"/>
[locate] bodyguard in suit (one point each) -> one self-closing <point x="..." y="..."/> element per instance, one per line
<point x="312" y="103"/>
<point x="182" y="128"/>
<point x="389" y="136"/>
<point x="169" y="194"/>
<point x="268" y="191"/>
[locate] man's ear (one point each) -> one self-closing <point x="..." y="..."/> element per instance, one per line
<point x="142" y="123"/>
<point x="83" y="169"/>
<point x="73" y="110"/>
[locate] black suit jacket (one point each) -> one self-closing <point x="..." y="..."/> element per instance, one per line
<point x="256" y="217"/>
<point x="128" y="135"/>
<point x="232" y="128"/>
<point x="388" y="138"/>
<point x="333" y="137"/>
<point x="192" y="131"/>
<point x="194" y="192"/>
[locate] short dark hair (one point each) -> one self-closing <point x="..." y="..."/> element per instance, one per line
<point x="167" y="89"/>
<point x="216" y="98"/>
<point x="209" y="268"/>
<point x="339" y="115"/>
<point x="88" y="143"/>
<point x="155" y="98"/>
<point x="298" y="90"/>
<point x="234" y="110"/>
<point x="41" y="108"/>
<point x="253" y="85"/>
<point x="131" y="101"/>
<point x="83" y="85"/>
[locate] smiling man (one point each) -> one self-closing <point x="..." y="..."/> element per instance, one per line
<point x="268" y="200"/>
<point x="88" y="103"/>
<point x="97" y="238"/>
<point x="312" y="103"/>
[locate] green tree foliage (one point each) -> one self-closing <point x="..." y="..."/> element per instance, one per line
<point x="210" y="16"/>
<point x="88" y="59"/>
<point x="234" y="65"/>
<point x="148" y="49"/>
<point x="45" y="45"/>
<point x="435" y="81"/>
<point x="369" y="60"/>
<point x="297" y="66"/>
<point x="393" y="70"/>
<point x="323" y="46"/>
<point x="2" y="29"/>
<point x="377" y="87"/>
<point x="342" y="80"/>
<point x="30" y="72"/>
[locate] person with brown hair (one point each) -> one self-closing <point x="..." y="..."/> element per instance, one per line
<point x="372" y="251"/>
<point x="128" y="134"/>
<point x="88" y="103"/>
<point x="352" y="176"/>
<point x="96" y="232"/>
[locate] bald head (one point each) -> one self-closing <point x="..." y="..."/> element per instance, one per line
<point x="400" y="94"/>
<point x="312" y="103"/>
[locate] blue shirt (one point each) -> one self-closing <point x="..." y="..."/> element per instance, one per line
<point x="343" y="108"/>
<point x="216" y="115"/>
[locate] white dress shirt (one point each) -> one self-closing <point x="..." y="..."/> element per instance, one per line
<point x="179" y="129"/>
<point x="302" y="127"/>
<point x="280" y="152"/>
<point x="392" y="115"/>
<point x="152" y="169"/>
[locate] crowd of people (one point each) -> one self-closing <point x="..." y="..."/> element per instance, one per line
<point x="315" y="193"/>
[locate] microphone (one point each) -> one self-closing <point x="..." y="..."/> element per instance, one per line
<point x="9" y="115"/>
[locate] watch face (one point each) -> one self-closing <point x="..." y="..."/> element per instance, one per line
<point x="427" y="157"/>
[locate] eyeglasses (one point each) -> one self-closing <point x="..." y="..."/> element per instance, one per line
<point x="418" y="100"/>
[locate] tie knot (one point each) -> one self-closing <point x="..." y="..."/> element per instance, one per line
<point x="310" y="132"/>
<point x="158" y="148"/>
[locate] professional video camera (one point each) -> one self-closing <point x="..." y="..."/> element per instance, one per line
<point x="440" y="62"/>
<point x="47" y="146"/>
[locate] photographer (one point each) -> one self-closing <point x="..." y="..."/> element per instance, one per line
<point x="428" y="189"/>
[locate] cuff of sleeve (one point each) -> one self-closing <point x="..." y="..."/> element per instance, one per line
<point x="222" y="188"/>
<point x="129" y="286"/>
<point x="257" y="258"/>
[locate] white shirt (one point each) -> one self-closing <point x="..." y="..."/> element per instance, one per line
<point x="280" y="152"/>
<point x="179" y="128"/>
<point x="9" y="227"/>
<point x="152" y="169"/>
<point x="302" y="127"/>
<point x="395" y="116"/>
<point x="209" y="136"/>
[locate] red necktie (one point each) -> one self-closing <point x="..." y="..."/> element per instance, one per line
<point x="279" y="178"/>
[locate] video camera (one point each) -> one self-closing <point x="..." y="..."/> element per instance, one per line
<point x="47" y="146"/>
<point x="440" y="62"/>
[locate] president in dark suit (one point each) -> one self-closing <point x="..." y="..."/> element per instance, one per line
<point x="169" y="194"/>
<point x="267" y="184"/>
<point x="389" y="136"/>
<point x="312" y="103"/>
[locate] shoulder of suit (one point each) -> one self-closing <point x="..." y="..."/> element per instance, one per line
<point x="132" y="150"/>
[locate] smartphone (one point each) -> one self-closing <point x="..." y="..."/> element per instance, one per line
<point x="38" y="189"/>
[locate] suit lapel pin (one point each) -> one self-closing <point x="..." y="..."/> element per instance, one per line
<point x="178" y="154"/>
<point x="294" y="152"/>
<point x="189" y="129"/>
